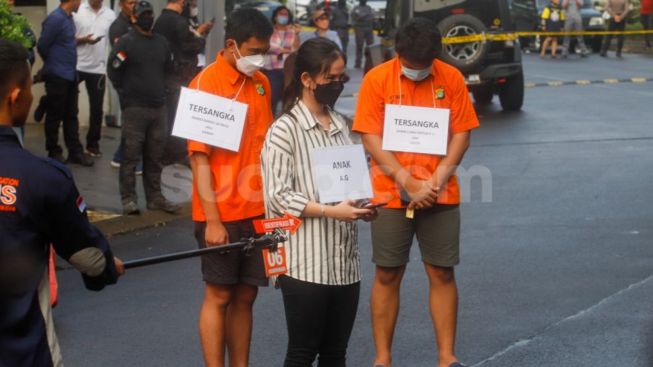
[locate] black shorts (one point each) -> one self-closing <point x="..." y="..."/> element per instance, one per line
<point x="233" y="267"/>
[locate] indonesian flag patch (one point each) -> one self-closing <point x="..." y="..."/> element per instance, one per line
<point x="120" y="58"/>
<point x="81" y="204"/>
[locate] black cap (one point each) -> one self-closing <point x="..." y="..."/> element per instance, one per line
<point x="142" y="7"/>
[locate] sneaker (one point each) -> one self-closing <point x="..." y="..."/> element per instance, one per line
<point x="57" y="157"/>
<point x="115" y="164"/>
<point x="139" y="169"/>
<point x="81" y="159"/>
<point x="94" y="152"/>
<point x="164" y="205"/>
<point x="130" y="208"/>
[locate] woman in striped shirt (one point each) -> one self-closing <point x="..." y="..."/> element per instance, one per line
<point x="321" y="289"/>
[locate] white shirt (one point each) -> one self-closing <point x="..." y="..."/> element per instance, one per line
<point x="93" y="58"/>
<point x="323" y="250"/>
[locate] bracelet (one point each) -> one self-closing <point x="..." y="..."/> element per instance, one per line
<point x="322" y="210"/>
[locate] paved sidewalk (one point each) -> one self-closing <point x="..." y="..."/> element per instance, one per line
<point x="99" y="184"/>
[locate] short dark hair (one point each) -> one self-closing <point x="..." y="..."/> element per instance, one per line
<point x="245" y="23"/>
<point x="419" y="41"/>
<point x="276" y="12"/>
<point x="14" y="69"/>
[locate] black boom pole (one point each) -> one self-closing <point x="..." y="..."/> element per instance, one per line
<point x="266" y="241"/>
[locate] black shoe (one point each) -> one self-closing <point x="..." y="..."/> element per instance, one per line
<point x="57" y="157"/>
<point x="39" y="112"/>
<point x="94" y="152"/>
<point x="619" y="54"/>
<point x="81" y="159"/>
<point x="603" y="54"/>
<point x="164" y="205"/>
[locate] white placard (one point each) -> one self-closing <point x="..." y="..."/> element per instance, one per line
<point x="341" y="173"/>
<point x="209" y="119"/>
<point x="416" y="129"/>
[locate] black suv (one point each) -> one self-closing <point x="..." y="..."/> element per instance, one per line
<point x="527" y="18"/>
<point x="490" y="67"/>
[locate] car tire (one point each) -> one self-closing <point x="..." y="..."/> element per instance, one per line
<point x="483" y="94"/>
<point x="467" y="57"/>
<point x="511" y="94"/>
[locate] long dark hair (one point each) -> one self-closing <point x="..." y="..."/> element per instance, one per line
<point x="314" y="57"/>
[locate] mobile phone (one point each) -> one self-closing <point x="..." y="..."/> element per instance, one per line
<point x="98" y="38"/>
<point x="374" y="205"/>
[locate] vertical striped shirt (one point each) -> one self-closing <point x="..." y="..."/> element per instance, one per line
<point x="323" y="250"/>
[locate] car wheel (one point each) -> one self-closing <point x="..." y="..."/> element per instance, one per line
<point x="483" y="94"/>
<point x="511" y="94"/>
<point x="467" y="57"/>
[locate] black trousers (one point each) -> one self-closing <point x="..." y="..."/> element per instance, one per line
<point x="364" y="37"/>
<point x="175" y="148"/>
<point x="95" y="86"/>
<point x="647" y="24"/>
<point x="143" y="137"/>
<point x="614" y="26"/>
<point x="275" y="77"/>
<point x="61" y="106"/>
<point x="319" y="320"/>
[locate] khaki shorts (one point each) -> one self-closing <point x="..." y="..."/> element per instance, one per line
<point x="437" y="230"/>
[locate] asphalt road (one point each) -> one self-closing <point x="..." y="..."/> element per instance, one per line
<point x="557" y="248"/>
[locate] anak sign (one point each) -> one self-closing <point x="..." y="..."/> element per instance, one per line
<point x="416" y="129"/>
<point x="341" y="173"/>
<point x="209" y="119"/>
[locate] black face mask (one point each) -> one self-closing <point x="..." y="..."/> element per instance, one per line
<point x="145" y="22"/>
<point x="327" y="94"/>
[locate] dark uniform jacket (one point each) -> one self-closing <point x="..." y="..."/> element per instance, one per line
<point x="185" y="45"/>
<point x="138" y="66"/>
<point x="39" y="206"/>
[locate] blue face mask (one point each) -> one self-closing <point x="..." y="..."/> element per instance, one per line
<point x="416" y="75"/>
<point x="282" y="19"/>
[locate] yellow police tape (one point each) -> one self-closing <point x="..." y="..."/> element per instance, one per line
<point x="493" y="37"/>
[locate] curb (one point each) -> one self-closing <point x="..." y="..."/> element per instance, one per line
<point x="123" y="224"/>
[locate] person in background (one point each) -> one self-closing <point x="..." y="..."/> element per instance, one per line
<point x="573" y="23"/>
<point x="137" y="67"/>
<point x="340" y="23"/>
<point x="618" y="10"/>
<point x="646" y="17"/>
<point x="224" y="207"/>
<point x="192" y="13"/>
<point x="93" y="18"/>
<point x="423" y="183"/>
<point x="121" y="26"/>
<point x="321" y="21"/>
<point x="362" y="19"/>
<point x="284" y="41"/>
<point x="123" y="22"/>
<point x="40" y="206"/>
<point x="322" y="286"/>
<point x="58" y="48"/>
<point x="186" y="44"/>
<point x="553" y="17"/>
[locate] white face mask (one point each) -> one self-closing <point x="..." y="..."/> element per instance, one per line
<point x="194" y="12"/>
<point x="249" y="65"/>
<point x="416" y="75"/>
